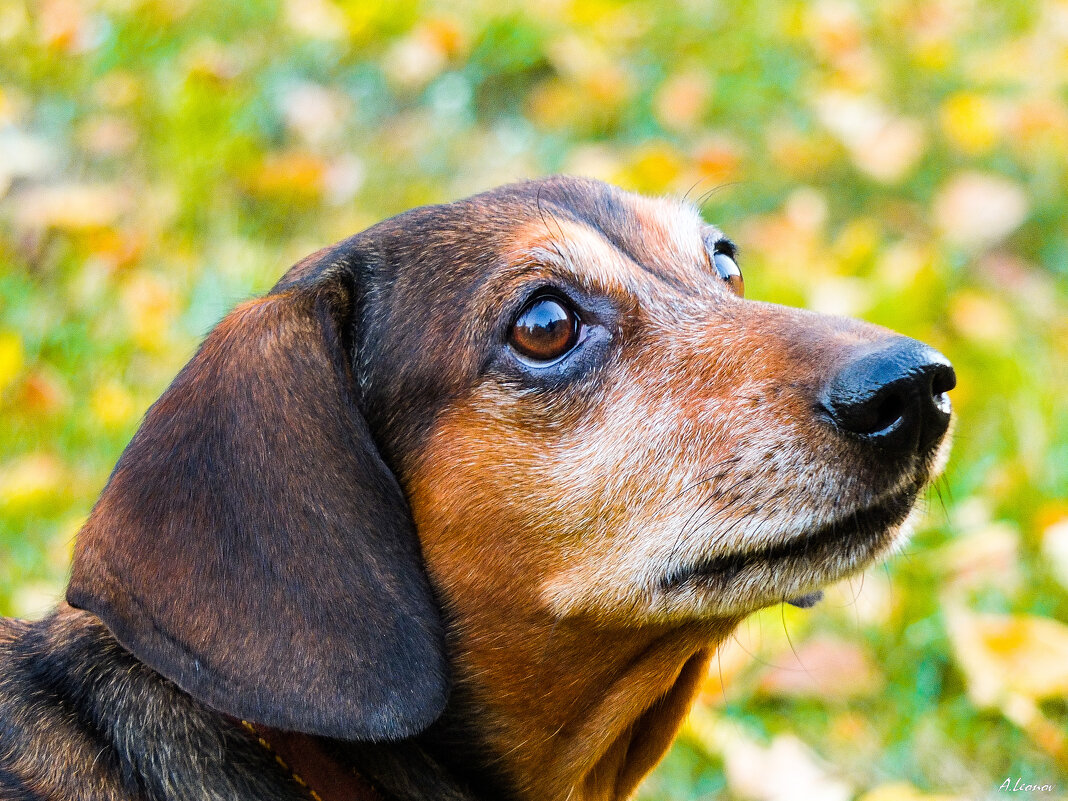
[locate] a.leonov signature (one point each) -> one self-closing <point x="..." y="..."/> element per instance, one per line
<point x="1021" y="786"/>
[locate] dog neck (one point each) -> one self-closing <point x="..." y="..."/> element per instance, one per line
<point x="571" y="709"/>
<point x="311" y="765"/>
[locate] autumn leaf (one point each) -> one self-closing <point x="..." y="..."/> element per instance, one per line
<point x="1010" y="662"/>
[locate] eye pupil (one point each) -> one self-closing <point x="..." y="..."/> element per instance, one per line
<point x="545" y="330"/>
<point x="727" y="269"/>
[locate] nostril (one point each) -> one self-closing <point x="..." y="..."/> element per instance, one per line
<point x="872" y="414"/>
<point x="887" y="412"/>
<point x="943" y="380"/>
<point x="895" y="397"/>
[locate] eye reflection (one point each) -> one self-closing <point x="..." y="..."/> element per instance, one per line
<point x="545" y="330"/>
<point x="727" y="269"/>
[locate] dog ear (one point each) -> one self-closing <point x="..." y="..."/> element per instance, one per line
<point x="252" y="546"/>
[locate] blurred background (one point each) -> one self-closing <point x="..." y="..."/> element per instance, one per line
<point x="904" y="161"/>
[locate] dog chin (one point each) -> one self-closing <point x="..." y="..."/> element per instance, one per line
<point x="796" y="569"/>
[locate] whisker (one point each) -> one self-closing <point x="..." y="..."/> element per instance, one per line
<point x="701" y="201"/>
<point x="706" y="476"/>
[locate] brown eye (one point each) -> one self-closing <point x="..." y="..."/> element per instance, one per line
<point x="727" y="269"/>
<point x="545" y="330"/>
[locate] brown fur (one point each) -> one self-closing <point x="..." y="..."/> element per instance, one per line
<point x="358" y="516"/>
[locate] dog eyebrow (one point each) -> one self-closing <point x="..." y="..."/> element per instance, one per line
<point x="551" y="259"/>
<point x="614" y="240"/>
<point x="564" y="257"/>
<point x="650" y="269"/>
<point x="559" y="258"/>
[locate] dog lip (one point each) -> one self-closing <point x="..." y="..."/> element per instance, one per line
<point x="858" y="535"/>
<point x="806" y="601"/>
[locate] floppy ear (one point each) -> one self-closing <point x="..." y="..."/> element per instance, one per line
<point x="252" y="546"/>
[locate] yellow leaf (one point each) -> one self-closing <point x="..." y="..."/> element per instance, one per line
<point x="654" y="169"/>
<point x="554" y="104"/>
<point x="984" y="555"/>
<point x="1010" y="655"/>
<point x="1038" y="123"/>
<point x="934" y="55"/>
<point x="982" y="318"/>
<point x="796" y="154"/>
<point x="970" y="122"/>
<point x="150" y="306"/>
<point x="319" y="19"/>
<point x="43" y="394"/>
<point x="882" y="144"/>
<point x="681" y="100"/>
<point x="718" y="160"/>
<point x="416" y="59"/>
<point x="30" y="480"/>
<point x="70" y="207"/>
<point x="291" y="176"/>
<point x="112" y="405"/>
<point x="835" y="29"/>
<point x="11" y="358"/>
<point x="859" y="240"/>
<point x="784" y="770"/>
<point x="65" y="26"/>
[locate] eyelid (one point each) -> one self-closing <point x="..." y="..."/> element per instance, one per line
<point x="724" y="246"/>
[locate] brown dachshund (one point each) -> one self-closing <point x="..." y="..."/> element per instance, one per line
<point x="460" y="510"/>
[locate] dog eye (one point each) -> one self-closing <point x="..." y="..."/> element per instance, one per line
<point x="727" y="269"/>
<point x="545" y="330"/>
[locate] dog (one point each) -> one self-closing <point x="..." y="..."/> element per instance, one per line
<point x="461" y="510"/>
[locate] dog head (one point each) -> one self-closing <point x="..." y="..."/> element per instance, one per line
<point x="551" y="400"/>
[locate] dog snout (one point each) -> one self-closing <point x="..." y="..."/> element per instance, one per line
<point x="894" y="397"/>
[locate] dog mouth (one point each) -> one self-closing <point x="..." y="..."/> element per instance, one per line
<point x="797" y="566"/>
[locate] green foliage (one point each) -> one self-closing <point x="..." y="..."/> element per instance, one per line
<point x="901" y="161"/>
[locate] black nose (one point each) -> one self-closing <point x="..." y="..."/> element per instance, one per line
<point x="893" y="397"/>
